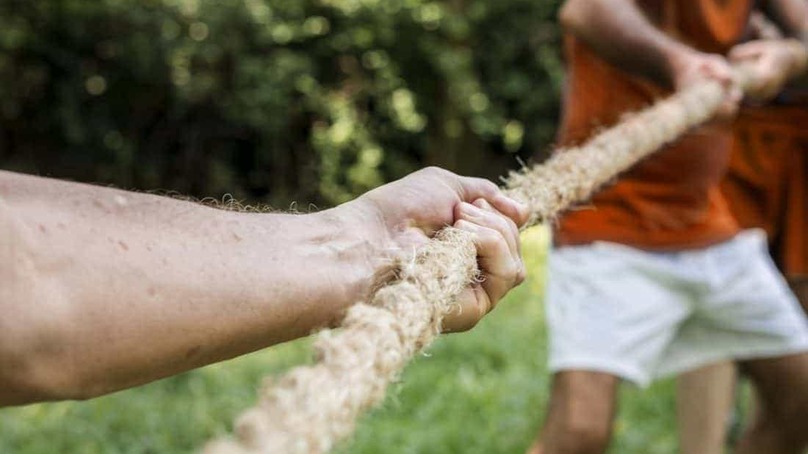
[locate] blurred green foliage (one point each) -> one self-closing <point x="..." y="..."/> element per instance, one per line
<point x="274" y="100"/>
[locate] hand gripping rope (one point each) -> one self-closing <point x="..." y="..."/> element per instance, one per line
<point x="311" y="408"/>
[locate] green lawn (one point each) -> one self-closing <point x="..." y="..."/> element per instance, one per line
<point x="478" y="392"/>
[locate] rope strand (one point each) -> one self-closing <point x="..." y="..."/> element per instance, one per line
<point x="311" y="408"/>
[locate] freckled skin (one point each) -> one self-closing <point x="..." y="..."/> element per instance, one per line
<point x="126" y="288"/>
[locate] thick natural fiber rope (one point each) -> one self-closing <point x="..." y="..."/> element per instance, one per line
<point x="312" y="407"/>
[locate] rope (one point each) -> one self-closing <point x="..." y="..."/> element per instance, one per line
<point x="311" y="408"/>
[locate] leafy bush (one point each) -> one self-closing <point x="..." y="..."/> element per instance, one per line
<point x="272" y="100"/>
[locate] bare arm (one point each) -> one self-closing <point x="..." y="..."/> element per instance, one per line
<point x="618" y="31"/>
<point x="791" y="16"/>
<point x="774" y="59"/>
<point x="760" y="27"/>
<point x="102" y="289"/>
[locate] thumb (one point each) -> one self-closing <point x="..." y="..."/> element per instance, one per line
<point x="743" y="53"/>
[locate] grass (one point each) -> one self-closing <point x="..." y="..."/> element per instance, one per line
<point x="479" y="392"/>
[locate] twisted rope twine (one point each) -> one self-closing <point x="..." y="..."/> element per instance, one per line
<point x="311" y="408"/>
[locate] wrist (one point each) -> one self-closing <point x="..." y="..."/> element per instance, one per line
<point x="309" y="268"/>
<point x="362" y="243"/>
<point x="681" y="59"/>
<point x="360" y="220"/>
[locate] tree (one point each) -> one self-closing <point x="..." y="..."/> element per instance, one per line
<point x="274" y="100"/>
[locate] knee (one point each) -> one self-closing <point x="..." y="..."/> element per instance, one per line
<point x="581" y="412"/>
<point x="581" y="435"/>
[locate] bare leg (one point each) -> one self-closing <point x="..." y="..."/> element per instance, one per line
<point x="799" y="286"/>
<point x="779" y="426"/>
<point x="581" y="414"/>
<point x="704" y="399"/>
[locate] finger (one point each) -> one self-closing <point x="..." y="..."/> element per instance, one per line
<point x="717" y="67"/>
<point x="768" y="84"/>
<point x="513" y="229"/>
<point x="745" y="52"/>
<point x="732" y="101"/>
<point x="478" y="188"/>
<point x="492" y="220"/>
<point x="515" y="210"/>
<point x="485" y="205"/>
<point x="472" y="305"/>
<point x="471" y="189"/>
<point x="466" y="188"/>
<point x="500" y="270"/>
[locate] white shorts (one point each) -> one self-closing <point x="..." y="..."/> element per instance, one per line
<point x="641" y="315"/>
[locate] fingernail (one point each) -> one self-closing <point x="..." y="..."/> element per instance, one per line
<point x="506" y="199"/>
<point x="468" y="208"/>
<point x="516" y="203"/>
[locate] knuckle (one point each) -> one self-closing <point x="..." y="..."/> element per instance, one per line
<point x="471" y="324"/>
<point x="490" y="186"/>
<point x="493" y="239"/>
<point x="479" y="306"/>
<point x="498" y="221"/>
<point x="435" y="171"/>
<point x="513" y="270"/>
<point x="487" y="187"/>
<point x="521" y="274"/>
<point x="484" y="306"/>
<point x="511" y="226"/>
<point x="487" y="305"/>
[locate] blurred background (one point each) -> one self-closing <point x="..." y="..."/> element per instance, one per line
<point x="274" y="100"/>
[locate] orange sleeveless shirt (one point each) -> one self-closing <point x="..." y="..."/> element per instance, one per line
<point x="767" y="182"/>
<point x="672" y="200"/>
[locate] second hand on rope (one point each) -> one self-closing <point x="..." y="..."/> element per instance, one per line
<point x="310" y="408"/>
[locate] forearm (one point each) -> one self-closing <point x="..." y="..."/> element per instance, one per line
<point x="104" y="289"/>
<point x="619" y="32"/>
<point x="760" y="27"/>
<point x="792" y="17"/>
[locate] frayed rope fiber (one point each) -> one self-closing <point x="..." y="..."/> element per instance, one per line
<point x="311" y="408"/>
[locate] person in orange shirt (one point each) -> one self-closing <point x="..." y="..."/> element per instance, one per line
<point x="767" y="188"/>
<point x="658" y="278"/>
<point x="767" y="183"/>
